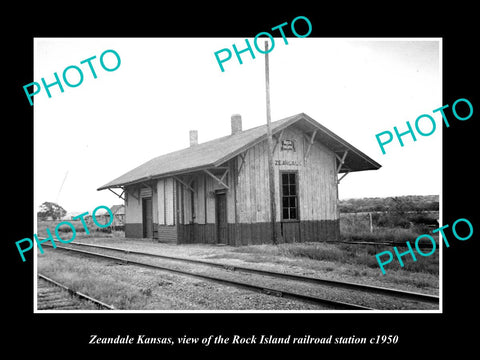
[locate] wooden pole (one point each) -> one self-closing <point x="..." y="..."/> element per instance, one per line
<point x="271" y="175"/>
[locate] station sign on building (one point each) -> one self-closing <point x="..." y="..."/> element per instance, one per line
<point x="217" y="192"/>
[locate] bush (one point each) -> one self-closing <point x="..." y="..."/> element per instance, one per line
<point x="392" y="220"/>
<point x="77" y="224"/>
<point x="363" y="255"/>
<point x="423" y="219"/>
<point x="323" y="252"/>
<point x="395" y="235"/>
<point x="68" y="229"/>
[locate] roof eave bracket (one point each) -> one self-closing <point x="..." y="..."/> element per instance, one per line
<point x="345" y="174"/>
<point x="242" y="156"/>
<point x="120" y="196"/>
<point x="219" y="180"/>
<point x="341" y="160"/>
<point x="188" y="186"/>
<point x="310" y="143"/>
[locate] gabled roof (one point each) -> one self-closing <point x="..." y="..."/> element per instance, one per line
<point x="216" y="152"/>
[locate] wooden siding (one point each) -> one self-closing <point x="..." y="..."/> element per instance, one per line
<point x="197" y="233"/>
<point x="252" y="192"/>
<point x="209" y="199"/>
<point x="133" y="230"/>
<point x="133" y="206"/>
<point x="247" y="200"/>
<point x="161" y="202"/>
<point x="166" y="233"/>
<point x="165" y="202"/>
<point x="204" y="197"/>
<point x="202" y="227"/>
<point x="145" y="192"/>
<point x="231" y="195"/>
<point x="169" y="201"/>
<point x="317" y="183"/>
<point x="260" y="233"/>
<point x="200" y="199"/>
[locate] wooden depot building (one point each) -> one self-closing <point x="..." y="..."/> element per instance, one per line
<point x="217" y="192"/>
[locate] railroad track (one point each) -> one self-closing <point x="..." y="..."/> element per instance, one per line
<point x="339" y="284"/>
<point x="51" y="295"/>
<point x="225" y="281"/>
<point x="270" y="290"/>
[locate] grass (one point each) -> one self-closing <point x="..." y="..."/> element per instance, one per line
<point x="356" y="229"/>
<point x="337" y="259"/>
<point x="96" y="280"/>
<point x="127" y="288"/>
<point x="363" y="255"/>
<point x="386" y="227"/>
<point x="350" y="260"/>
<point x="66" y="230"/>
<point x="391" y="235"/>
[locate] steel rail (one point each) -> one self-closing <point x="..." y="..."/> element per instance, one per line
<point x="245" y="285"/>
<point x="77" y="293"/>
<point x="343" y="284"/>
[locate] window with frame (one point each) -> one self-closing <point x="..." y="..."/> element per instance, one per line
<point x="289" y="196"/>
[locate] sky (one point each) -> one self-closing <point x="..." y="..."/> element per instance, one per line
<point x="91" y="134"/>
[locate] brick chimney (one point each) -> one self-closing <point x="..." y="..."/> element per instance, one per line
<point x="193" y="137"/>
<point x="236" y="123"/>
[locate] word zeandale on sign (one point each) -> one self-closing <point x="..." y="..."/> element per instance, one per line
<point x="410" y="251"/>
<point x="69" y="224"/>
<point x="68" y="81"/>
<point x="255" y="42"/>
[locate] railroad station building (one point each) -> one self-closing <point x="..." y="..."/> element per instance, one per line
<point x="217" y="192"/>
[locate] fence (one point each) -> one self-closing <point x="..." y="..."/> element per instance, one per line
<point x="386" y="227"/>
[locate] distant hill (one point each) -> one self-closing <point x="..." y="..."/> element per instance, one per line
<point x="395" y="203"/>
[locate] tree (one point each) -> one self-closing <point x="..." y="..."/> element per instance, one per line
<point x="49" y="209"/>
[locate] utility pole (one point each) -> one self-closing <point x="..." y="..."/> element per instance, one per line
<point x="61" y="186"/>
<point x="271" y="175"/>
